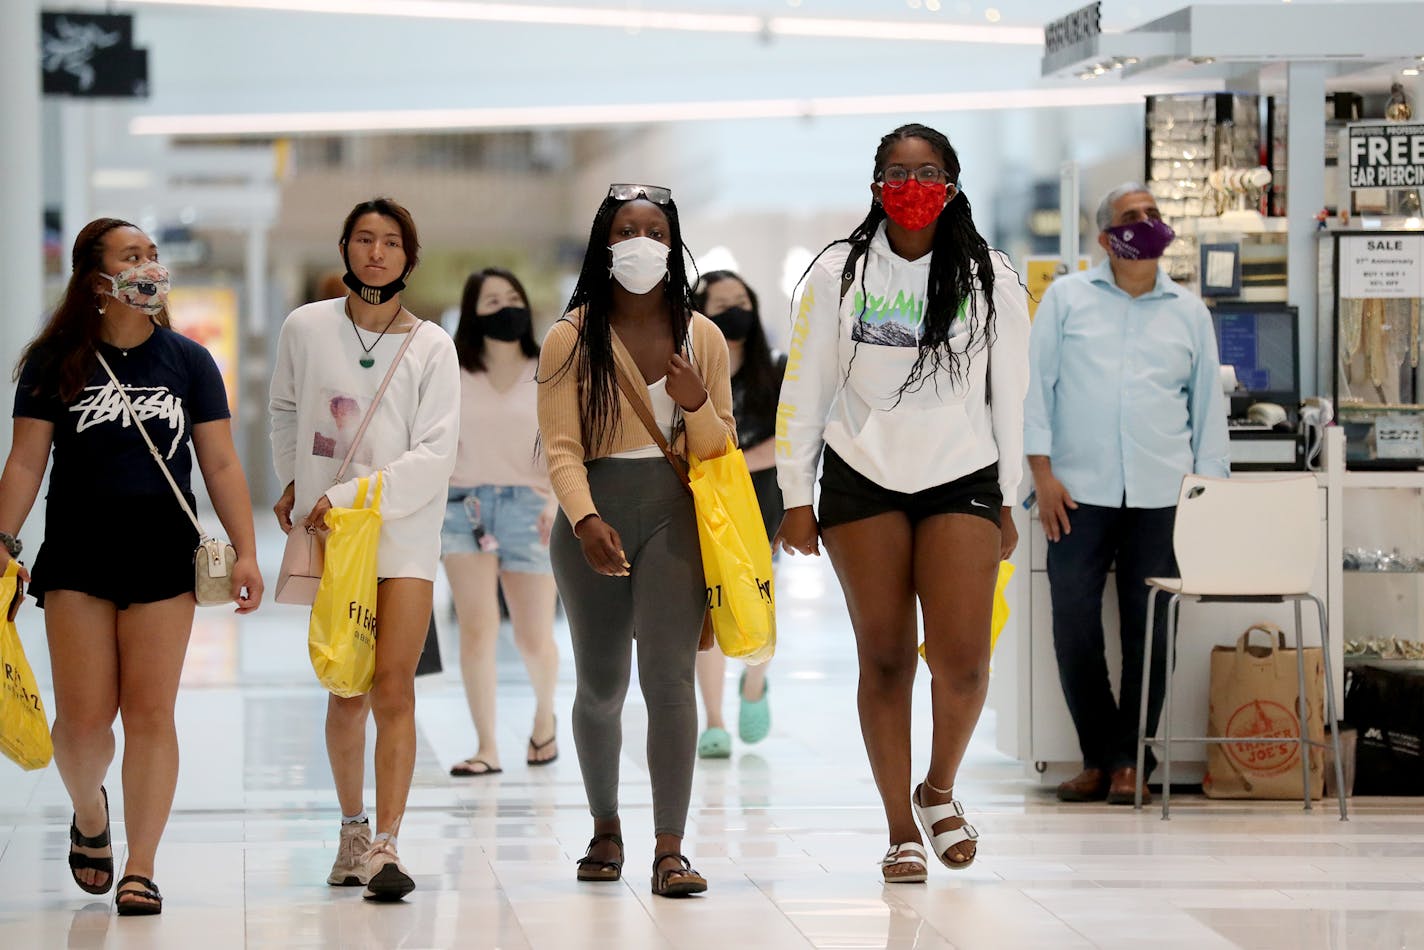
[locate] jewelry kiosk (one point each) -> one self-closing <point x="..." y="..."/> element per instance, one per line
<point x="1223" y="47"/>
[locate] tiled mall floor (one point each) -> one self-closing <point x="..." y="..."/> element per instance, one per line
<point x="788" y="833"/>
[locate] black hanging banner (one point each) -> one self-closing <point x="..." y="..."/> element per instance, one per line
<point x="90" y="55"/>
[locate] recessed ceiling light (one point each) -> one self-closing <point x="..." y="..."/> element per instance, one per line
<point x="932" y="6"/>
<point x="993" y="15"/>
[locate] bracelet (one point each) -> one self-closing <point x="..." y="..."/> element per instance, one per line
<point x="12" y="544"/>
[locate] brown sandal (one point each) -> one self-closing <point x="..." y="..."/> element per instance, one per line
<point x="592" y="869"/>
<point x="677" y="881"/>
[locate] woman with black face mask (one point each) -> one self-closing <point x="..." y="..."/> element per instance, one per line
<point x="726" y="299"/>
<point x="499" y="514"/>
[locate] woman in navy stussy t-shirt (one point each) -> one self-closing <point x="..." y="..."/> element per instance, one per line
<point x="115" y="572"/>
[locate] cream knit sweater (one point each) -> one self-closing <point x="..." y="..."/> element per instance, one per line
<point x="707" y="429"/>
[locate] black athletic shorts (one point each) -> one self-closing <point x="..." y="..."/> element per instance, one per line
<point x="136" y="550"/>
<point x="847" y="495"/>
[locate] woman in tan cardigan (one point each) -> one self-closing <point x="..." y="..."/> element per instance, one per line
<point x="624" y="548"/>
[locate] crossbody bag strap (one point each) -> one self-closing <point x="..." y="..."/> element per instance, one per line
<point x="645" y="414"/>
<point x="376" y="401"/>
<point x="152" y="449"/>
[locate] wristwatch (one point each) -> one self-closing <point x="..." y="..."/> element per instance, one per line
<point x="12" y="544"/>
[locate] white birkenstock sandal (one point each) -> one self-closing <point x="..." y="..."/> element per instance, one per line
<point x="931" y="815"/>
<point x="907" y="853"/>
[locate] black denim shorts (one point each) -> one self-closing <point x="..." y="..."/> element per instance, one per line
<point x="847" y="495"/>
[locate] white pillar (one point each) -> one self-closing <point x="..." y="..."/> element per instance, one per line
<point x="253" y="371"/>
<point x="1305" y="161"/>
<point x="21" y="186"/>
<point x="76" y="126"/>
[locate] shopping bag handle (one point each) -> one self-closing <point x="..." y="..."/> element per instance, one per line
<point x="1278" y="641"/>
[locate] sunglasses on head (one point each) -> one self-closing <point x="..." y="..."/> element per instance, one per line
<point x="657" y="194"/>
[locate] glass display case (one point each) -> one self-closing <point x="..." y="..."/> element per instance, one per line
<point x="1200" y="152"/>
<point x="1379" y="390"/>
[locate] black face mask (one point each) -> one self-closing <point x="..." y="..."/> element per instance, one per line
<point x="508" y="324"/>
<point x="735" y="323"/>
<point x="372" y="295"/>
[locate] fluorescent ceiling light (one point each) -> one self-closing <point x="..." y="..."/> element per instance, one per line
<point x="573" y="116"/>
<point x="634" y="19"/>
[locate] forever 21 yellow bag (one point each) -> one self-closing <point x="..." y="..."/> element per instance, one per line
<point x="342" y="635"/>
<point x="24" y="728"/>
<point x="736" y="556"/>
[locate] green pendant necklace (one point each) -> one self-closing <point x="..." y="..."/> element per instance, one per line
<point x="367" y="361"/>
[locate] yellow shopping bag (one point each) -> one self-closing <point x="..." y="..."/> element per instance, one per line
<point x="24" y="728"/>
<point x="736" y="556"/>
<point x="1001" y="606"/>
<point x="342" y="634"/>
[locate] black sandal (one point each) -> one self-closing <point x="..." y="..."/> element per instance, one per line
<point x="592" y="869"/>
<point x="85" y="862"/>
<point x="144" y="903"/>
<point x="676" y="882"/>
<point x="535" y="747"/>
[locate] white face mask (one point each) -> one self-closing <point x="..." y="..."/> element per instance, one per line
<point x="639" y="264"/>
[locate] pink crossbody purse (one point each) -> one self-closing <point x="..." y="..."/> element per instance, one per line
<point x="305" y="554"/>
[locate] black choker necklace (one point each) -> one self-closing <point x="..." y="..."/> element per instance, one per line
<point x="368" y="360"/>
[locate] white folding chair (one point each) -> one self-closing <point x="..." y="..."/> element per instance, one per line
<point x="1240" y="541"/>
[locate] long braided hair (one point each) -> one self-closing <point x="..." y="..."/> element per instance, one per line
<point x="592" y="356"/>
<point x="959" y="262"/>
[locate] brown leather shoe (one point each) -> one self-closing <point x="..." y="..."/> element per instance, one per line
<point x="1089" y="785"/>
<point x="1123" y="790"/>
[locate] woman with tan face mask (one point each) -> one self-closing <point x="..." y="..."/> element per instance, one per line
<point x="115" y="574"/>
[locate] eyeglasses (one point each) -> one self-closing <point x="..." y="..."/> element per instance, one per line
<point x="657" y="194"/>
<point x="897" y="175"/>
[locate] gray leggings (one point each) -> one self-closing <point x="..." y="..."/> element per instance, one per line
<point x="662" y="603"/>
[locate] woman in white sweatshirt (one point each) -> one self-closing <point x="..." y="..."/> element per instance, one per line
<point x="331" y="359"/>
<point x="909" y="365"/>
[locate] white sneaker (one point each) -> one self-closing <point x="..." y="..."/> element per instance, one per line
<point x="386" y="878"/>
<point x="349" y="870"/>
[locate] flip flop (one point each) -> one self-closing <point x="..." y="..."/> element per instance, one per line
<point x="541" y="746"/>
<point x="85" y="862"/>
<point x="466" y="769"/>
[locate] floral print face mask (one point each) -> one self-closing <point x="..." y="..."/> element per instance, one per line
<point x="143" y="287"/>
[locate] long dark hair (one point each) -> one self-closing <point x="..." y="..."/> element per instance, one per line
<point x="470" y="333"/>
<point x="959" y="259"/>
<point x="758" y="371"/>
<point x="592" y="356"/>
<point x="64" y="351"/>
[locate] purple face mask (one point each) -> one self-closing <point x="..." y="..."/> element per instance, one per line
<point x="1144" y="240"/>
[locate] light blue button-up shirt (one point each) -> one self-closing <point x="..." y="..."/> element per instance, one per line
<point x="1124" y="392"/>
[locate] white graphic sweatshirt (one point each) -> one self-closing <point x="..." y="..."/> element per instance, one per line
<point x="320" y="393"/>
<point x="849" y="359"/>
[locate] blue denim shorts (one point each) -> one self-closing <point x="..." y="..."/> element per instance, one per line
<point x="496" y="519"/>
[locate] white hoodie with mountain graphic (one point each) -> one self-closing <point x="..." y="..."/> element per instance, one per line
<point x="846" y="372"/>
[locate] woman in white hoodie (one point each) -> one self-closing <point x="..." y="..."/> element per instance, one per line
<point x="331" y="358"/>
<point x="890" y="372"/>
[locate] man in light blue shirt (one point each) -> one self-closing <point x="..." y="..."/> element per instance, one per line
<point x="1124" y="399"/>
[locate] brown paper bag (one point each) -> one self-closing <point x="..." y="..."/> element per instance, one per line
<point x="1253" y="694"/>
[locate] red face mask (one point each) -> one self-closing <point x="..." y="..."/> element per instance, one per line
<point x="914" y="206"/>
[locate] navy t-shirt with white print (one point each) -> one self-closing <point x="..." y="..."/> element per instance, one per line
<point x="174" y="384"/>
